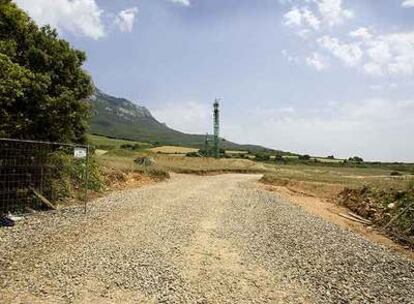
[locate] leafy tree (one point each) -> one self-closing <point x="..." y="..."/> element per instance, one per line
<point x="304" y="157"/>
<point x="262" y="157"/>
<point x="42" y="84"/>
<point x="356" y="159"/>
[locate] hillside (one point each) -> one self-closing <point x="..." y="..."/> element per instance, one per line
<point x="120" y="118"/>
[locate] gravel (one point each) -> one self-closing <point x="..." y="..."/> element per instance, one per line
<point x="214" y="239"/>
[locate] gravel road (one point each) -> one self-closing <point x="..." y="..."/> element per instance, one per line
<point x="215" y="239"/>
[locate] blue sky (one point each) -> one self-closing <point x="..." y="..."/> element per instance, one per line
<point x="311" y="76"/>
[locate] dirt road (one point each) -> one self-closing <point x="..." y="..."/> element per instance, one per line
<point x="216" y="239"/>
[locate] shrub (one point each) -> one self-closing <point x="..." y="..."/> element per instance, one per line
<point x="356" y="159"/>
<point x="65" y="176"/>
<point x="304" y="157"/>
<point x="262" y="157"/>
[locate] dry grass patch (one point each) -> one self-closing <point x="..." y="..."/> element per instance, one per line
<point x="202" y="165"/>
<point x="173" y="150"/>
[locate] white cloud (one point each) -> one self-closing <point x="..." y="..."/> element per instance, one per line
<point x="125" y="19"/>
<point x="181" y="2"/>
<point x="328" y="12"/>
<point x="80" y="17"/>
<point x="348" y="53"/>
<point x="379" y="51"/>
<point x="301" y="17"/>
<point x="408" y="3"/>
<point x="191" y="116"/>
<point x="333" y="12"/>
<point x="391" y="54"/>
<point x="293" y="17"/>
<point x="388" y="54"/>
<point x="317" y="62"/>
<point x="379" y="55"/>
<point x="331" y="128"/>
<point x="361" y="33"/>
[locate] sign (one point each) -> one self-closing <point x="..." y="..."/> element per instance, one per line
<point x="80" y="152"/>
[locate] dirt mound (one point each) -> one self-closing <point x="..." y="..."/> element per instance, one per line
<point x="391" y="210"/>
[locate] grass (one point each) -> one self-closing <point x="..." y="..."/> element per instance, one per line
<point x="198" y="165"/>
<point x="106" y="143"/>
<point x="124" y="160"/>
<point x="345" y="176"/>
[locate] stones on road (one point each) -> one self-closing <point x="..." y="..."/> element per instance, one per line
<point x="194" y="239"/>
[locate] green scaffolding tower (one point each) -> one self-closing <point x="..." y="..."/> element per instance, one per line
<point x="216" y="144"/>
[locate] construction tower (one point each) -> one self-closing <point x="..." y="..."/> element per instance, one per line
<point x="216" y="143"/>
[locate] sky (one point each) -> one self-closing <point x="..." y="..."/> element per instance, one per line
<point x="319" y="77"/>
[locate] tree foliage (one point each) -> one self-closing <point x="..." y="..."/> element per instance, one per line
<point x="42" y="84"/>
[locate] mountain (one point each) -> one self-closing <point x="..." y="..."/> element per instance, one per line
<point x="120" y="118"/>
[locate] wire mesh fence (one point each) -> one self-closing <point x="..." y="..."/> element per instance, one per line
<point x="31" y="173"/>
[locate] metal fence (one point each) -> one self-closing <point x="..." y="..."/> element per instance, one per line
<point x="31" y="174"/>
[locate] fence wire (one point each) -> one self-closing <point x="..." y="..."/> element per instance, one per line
<point x="28" y="173"/>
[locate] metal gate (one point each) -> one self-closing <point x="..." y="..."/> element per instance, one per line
<point x="31" y="172"/>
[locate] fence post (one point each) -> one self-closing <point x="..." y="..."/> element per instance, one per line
<point x="86" y="178"/>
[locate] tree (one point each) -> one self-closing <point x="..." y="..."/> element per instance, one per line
<point x="356" y="159"/>
<point x="304" y="157"/>
<point x="43" y="88"/>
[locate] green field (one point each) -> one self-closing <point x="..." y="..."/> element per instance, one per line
<point x="106" y="143"/>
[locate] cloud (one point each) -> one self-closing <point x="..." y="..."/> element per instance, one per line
<point x="125" y="19"/>
<point x="391" y="54"/>
<point x="377" y="55"/>
<point x="301" y="17"/>
<point x="408" y="3"/>
<point x="317" y="62"/>
<point x="333" y="12"/>
<point x="181" y="2"/>
<point x="327" y="13"/>
<point x="361" y="33"/>
<point x="80" y="17"/>
<point x="191" y="116"/>
<point x="367" y="128"/>
<point x="349" y="53"/>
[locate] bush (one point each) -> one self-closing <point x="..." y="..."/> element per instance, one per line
<point x="356" y="159"/>
<point x="65" y="176"/>
<point x="133" y="147"/>
<point x="262" y="157"/>
<point x="304" y="157"/>
<point x="279" y="158"/>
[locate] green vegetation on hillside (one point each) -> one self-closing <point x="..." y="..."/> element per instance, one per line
<point x="106" y="143"/>
<point x="120" y="118"/>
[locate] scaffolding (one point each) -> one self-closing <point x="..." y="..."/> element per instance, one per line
<point x="216" y="139"/>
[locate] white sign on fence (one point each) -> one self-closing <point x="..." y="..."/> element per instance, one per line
<point x="80" y="152"/>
